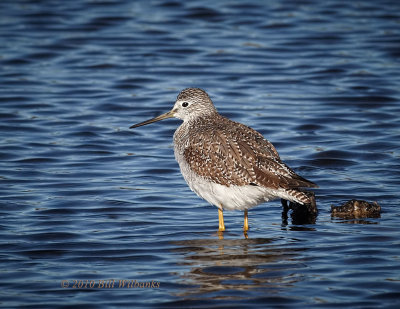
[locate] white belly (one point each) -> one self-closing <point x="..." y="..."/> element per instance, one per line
<point x="232" y="197"/>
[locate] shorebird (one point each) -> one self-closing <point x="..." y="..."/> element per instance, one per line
<point x="227" y="163"/>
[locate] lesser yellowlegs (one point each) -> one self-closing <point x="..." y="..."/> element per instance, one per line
<point x="225" y="162"/>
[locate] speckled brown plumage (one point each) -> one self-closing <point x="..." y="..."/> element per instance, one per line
<point x="230" y="153"/>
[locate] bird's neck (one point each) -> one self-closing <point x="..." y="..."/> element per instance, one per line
<point x="203" y="118"/>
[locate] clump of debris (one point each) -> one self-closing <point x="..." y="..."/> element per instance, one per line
<point x="356" y="209"/>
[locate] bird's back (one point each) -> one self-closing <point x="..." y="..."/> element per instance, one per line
<point x="230" y="153"/>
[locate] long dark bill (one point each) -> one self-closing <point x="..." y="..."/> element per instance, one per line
<point x="167" y="115"/>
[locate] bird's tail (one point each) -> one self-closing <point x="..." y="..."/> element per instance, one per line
<point x="299" y="196"/>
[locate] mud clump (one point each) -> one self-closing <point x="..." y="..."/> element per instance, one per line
<point x="356" y="209"/>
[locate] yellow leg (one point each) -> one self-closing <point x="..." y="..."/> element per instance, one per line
<point x="246" y="221"/>
<point x="221" y="220"/>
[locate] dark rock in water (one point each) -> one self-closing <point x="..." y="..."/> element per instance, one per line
<point x="301" y="214"/>
<point x="356" y="209"/>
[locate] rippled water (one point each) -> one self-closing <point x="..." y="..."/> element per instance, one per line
<point x="85" y="201"/>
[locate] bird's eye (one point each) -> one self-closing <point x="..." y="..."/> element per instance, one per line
<point x="185" y="104"/>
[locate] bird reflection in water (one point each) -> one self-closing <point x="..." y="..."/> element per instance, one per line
<point x="236" y="266"/>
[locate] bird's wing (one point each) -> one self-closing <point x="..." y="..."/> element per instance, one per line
<point x="268" y="168"/>
<point x="288" y="179"/>
<point x="240" y="156"/>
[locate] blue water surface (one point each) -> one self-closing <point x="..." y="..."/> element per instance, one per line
<point x="94" y="215"/>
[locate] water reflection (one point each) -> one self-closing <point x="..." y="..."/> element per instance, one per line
<point x="235" y="266"/>
<point x="355" y="221"/>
